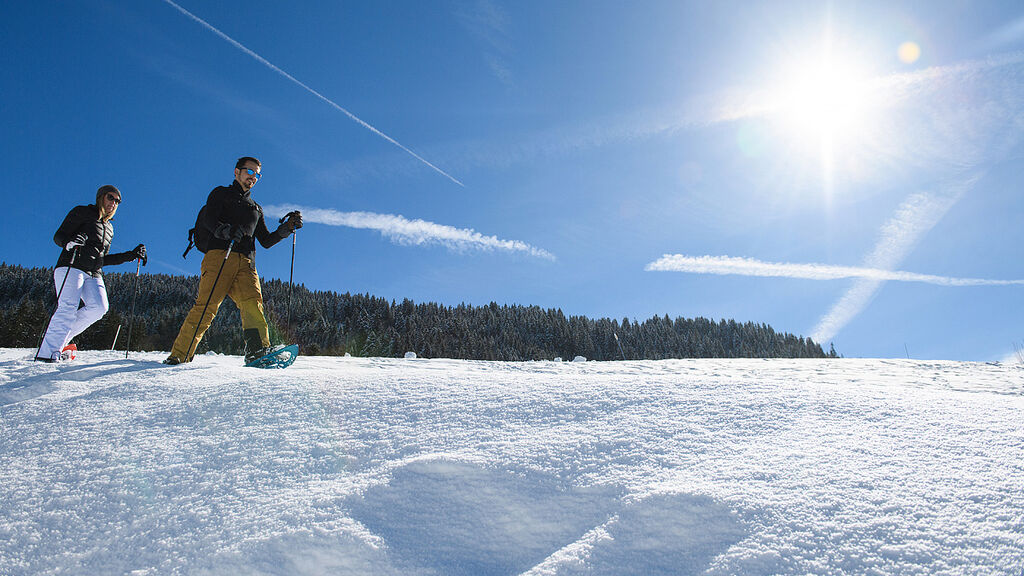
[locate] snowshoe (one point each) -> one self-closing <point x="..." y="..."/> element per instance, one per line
<point x="280" y="356"/>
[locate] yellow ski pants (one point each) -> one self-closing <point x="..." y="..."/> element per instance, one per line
<point x="239" y="281"/>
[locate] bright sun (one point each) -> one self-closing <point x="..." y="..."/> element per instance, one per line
<point x="827" y="113"/>
<point x="824" y="100"/>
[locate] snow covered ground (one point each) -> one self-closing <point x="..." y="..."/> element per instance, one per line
<point x="414" y="466"/>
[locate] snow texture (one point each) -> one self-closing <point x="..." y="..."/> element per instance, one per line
<point x="385" y="466"/>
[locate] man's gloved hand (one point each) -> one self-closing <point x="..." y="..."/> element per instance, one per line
<point x="294" y="219"/>
<point x="228" y="232"/>
<point x="140" y="253"/>
<point x="222" y="231"/>
<point x="290" y="223"/>
<point x="78" y="240"/>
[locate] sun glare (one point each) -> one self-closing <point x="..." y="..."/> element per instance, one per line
<point x="825" y="99"/>
<point x="909" y="52"/>
<point x="826" y="112"/>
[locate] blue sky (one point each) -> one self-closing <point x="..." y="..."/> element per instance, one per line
<point x="846" y="170"/>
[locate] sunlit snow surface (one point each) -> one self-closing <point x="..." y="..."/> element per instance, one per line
<point x="415" y="466"/>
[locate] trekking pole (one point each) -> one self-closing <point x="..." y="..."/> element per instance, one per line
<point x="74" y="252"/>
<point x="131" y="317"/>
<point x="291" y="274"/>
<point x="291" y="284"/>
<point x="208" y="298"/>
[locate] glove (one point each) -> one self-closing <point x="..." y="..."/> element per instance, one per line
<point x="228" y="232"/>
<point x="78" y="240"/>
<point x="140" y="253"/>
<point x="294" y="219"/>
<point x="222" y="231"/>
<point x="291" y="222"/>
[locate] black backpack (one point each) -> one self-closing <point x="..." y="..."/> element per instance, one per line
<point x="198" y="236"/>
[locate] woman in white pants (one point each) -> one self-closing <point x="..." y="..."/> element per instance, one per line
<point x="85" y="237"/>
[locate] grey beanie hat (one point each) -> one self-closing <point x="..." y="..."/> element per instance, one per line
<point x="105" y="189"/>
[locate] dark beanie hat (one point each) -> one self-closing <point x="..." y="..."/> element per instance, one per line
<point x="105" y="189"/>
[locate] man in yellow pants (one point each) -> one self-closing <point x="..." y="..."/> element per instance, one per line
<point x="227" y="230"/>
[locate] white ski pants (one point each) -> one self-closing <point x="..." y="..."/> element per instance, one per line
<point x="69" y="320"/>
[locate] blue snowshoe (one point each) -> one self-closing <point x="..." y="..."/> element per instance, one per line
<point x="280" y="356"/>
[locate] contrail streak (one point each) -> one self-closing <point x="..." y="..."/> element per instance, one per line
<point x="726" y="265"/>
<point x="266" y="63"/>
<point x="911" y="222"/>
<point x="401" y="230"/>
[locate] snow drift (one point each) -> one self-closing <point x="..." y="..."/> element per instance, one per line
<point x="385" y="466"/>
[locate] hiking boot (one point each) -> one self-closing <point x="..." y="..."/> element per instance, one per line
<point x="61" y="356"/>
<point x="172" y="361"/>
<point x="254" y="356"/>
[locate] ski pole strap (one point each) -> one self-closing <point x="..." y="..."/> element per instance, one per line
<point x="191" y="242"/>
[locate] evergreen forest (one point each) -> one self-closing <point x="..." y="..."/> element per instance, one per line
<point x="331" y="323"/>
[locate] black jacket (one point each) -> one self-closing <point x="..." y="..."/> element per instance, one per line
<point x="91" y="257"/>
<point x="234" y="206"/>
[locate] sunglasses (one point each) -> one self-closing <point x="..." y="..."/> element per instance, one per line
<point x="114" y="199"/>
<point x="251" y="172"/>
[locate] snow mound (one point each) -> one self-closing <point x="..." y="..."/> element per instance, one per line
<point x="381" y="466"/>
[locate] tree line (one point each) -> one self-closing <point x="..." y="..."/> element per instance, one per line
<point x="331" y="323"/>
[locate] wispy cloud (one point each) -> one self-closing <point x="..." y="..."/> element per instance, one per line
<point x="173" y="267"/>
<point x="488" y="22"/>
<point x="712" y="109"/>
<point x="294" y="80"/>
<point x="886" y="91"/>
<point x="729" y="265"/>
<point x="1010" y="33"/>
<point x="959" y="140"/>
<point x="404" y="231"/>
<point x="955" y="139"/>
<point x="724" y="107"/>
<point x="898" y="237"/>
